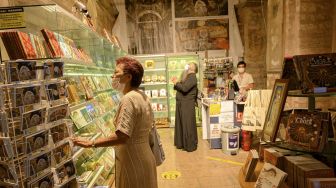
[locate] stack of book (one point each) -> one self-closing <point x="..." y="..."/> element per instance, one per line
<point x="20" y="45"/>
<point x="61" y="46"/>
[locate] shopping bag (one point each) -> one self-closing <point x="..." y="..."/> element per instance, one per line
<point x="262" y="107"/>
<point x="156" y="145"/>
<point x="249" y="115"/>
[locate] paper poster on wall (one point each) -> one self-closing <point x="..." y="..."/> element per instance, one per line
<point x="201" y="35"/>
<point x="149" y="26"/>
<point x="198" y="8"/>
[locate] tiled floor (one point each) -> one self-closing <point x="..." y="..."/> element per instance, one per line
<point x="197" y="170"/>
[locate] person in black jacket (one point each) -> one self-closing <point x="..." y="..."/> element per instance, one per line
<point x="185" y="118"/>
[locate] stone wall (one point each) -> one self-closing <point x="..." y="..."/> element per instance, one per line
<point x="307" y="28"/>
<point x="253" y="34"/>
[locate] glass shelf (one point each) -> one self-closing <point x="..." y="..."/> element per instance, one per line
<point x="57" y="19"/>
<point x="298" y="93"/>
<point x="97" y="174"/>
<point x="329" y="149"/>
<point x="102" y="52"/>
<point x="153" y="84"/>
<point x="158" y="98"/>
<point x="154" y="70"/>
<point x="176" y="70"/>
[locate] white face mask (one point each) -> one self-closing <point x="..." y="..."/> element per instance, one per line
<point x="117" y="85"/>
<point x="186" y="67"/>
<point x="241" y="69"/>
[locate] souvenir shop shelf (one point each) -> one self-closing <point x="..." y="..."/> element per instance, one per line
<point x="154" y="84"/>
<point x="55" y="82"/>
<point x="307" y="130"/>
<point x="311" y="97"/>
<point x="175" y="67"/>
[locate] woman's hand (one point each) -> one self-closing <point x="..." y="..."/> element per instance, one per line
<point x="174" y="80"/>
<point x="81" y="142"/>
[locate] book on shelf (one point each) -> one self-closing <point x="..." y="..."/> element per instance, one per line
<point x="250" y="164"/>
<point x="21" y="45"/>
<point x="270" y="176"/>
<point x="52" y="43"/>
<point x="61" y="46"/>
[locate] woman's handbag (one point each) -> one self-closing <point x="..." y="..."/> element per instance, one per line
<point x="156" y="146"/>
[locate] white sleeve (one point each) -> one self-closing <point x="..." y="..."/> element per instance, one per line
<point x="250" y="79"/>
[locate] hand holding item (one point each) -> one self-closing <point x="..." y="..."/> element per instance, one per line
<point x="81" y="142"/>
<point x="242" y="91"/>
<point x="174" y="80"/>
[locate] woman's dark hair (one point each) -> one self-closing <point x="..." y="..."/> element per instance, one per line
<point x="133" y="67"/>
<point x="241" y="63"/>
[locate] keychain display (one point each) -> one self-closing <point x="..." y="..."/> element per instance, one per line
<point x="37" y="164"/>
<point x="7" y="173"/>
<point x="25" y="95"/>
<point x="36" y="141"/>
<point x="65" y="172"/>
<point x="19" y="71"/>
<point x="33" y="118"/>
<point x="3" y="122"/>
<point x="59" y="132"/>
<point x="53" y="69"/>
<point x="6" y="148"/>
<point x="62" y="153"/>
<point x="56" y="91"/>
<point x="46" y="181"/>
<point x="57" y="113"/>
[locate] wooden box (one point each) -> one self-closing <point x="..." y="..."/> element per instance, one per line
<point x="314" y="169"/>
<point x="321" y="183"/>
<point x="289" y="167"/>
<point x="274" y="157"/>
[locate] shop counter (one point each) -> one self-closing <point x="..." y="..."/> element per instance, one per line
<point x="214" y="115"/>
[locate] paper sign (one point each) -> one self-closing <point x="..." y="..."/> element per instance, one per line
<point x="215" y="131"/>
<point x="12" y="18"/>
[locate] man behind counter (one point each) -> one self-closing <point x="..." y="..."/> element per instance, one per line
<point x="244" y="80"/>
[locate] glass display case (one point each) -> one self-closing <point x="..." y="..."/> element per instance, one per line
<point x="175" y="67"/>
<point x="68" y="68"/>
<point x="154" y="85"/>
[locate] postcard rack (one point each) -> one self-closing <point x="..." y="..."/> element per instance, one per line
<point x="55" y="83"/>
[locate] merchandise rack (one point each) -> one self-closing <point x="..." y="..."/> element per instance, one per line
<point x="175" y="67"/>
<point x="329" y="149"/>
<point x="157" y="69"/>
<point x="169" y="66"/>
<point x="103" y="54"/>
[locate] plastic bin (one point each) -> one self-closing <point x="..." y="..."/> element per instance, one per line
<point x="230" y="139"/>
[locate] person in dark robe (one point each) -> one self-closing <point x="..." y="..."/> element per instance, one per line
<point x="185" y="118"/>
